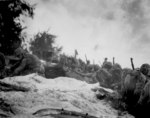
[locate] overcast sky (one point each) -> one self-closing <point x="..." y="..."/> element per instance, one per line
<point x="97" y="28"/>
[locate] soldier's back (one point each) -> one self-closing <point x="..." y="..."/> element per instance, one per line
<point x="32" y="60"/>
<point x="33" y="64"/>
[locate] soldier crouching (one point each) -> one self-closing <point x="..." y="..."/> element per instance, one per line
<point x="27" y="63"/>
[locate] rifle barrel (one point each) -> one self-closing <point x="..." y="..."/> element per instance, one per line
<point x="132" y="64"/>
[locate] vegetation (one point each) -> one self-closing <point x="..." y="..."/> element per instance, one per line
<point x="42" y="45"/>
<point x="10" y="26"/>
<point x="133" y="86"/>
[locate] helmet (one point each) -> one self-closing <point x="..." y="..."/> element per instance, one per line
<point x="19" y="52"/>
<point x="107" y="65"/>
<point x="145" y="68"/>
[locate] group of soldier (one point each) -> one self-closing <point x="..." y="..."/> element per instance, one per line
<point x="135" y="83"/>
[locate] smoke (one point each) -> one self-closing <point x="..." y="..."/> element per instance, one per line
<point x="97" y="28"/>
<point x="137" y="17"/>
<point x="96" y="47"/>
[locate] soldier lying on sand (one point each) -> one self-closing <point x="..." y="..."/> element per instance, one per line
<point x="25" y="63"/>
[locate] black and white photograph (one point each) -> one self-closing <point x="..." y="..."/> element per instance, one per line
<point x="74" y="58"/>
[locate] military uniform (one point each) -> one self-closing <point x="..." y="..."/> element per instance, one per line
<point x="145" y="69"/>
<point x="29" y="64"/>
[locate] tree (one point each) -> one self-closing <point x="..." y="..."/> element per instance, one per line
<point x="43" y="46"/>
<point x="10" y="26"/>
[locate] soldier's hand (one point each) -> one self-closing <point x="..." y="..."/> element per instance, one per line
<point x="7" y="67"/>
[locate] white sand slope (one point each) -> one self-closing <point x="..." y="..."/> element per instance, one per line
<point x="62" y="92"/>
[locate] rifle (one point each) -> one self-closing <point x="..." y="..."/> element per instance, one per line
<point x="61" y="113"/>
<point x="86" y="59"/>
<point x="75" y="54"/>
<point x="132" y="64"/>
<point x="113" y="60"/>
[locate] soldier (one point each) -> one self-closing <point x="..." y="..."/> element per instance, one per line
<point x="107" y="65"/>
<point x="145" y="69"/>
<point x="105" y="61"/>
<point x="27" y="63"/>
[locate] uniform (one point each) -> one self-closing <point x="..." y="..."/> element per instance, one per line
<point x="29" y="64"/>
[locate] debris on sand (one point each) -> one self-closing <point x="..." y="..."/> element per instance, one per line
<point x="62" y="92"/>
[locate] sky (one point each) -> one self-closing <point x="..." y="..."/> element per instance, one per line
<point x="96" y="28"/>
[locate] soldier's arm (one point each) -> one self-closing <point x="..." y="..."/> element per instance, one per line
<point x="12" y="58"/>
<point x="21" y="66"/>
<point x="84" y="74"/>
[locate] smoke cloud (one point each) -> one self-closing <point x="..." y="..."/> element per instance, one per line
<point x="97" y="28"/>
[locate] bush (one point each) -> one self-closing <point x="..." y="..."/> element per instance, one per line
<point x="43" y="46"/>
<point x="10" y="26"/>
<point x="54" y="71"/>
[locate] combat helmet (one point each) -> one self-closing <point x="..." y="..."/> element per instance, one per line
<point x="145" y="68"/>
<point x="19" y="52"/>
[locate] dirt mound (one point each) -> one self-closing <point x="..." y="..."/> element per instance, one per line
<point x="67" y="93"/>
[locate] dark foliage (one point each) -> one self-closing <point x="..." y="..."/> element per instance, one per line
<point x="43" y="46"/>
<point x="55" y="71"/>
<point x="10" y="26"/>
<point x="2" y="61"/>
